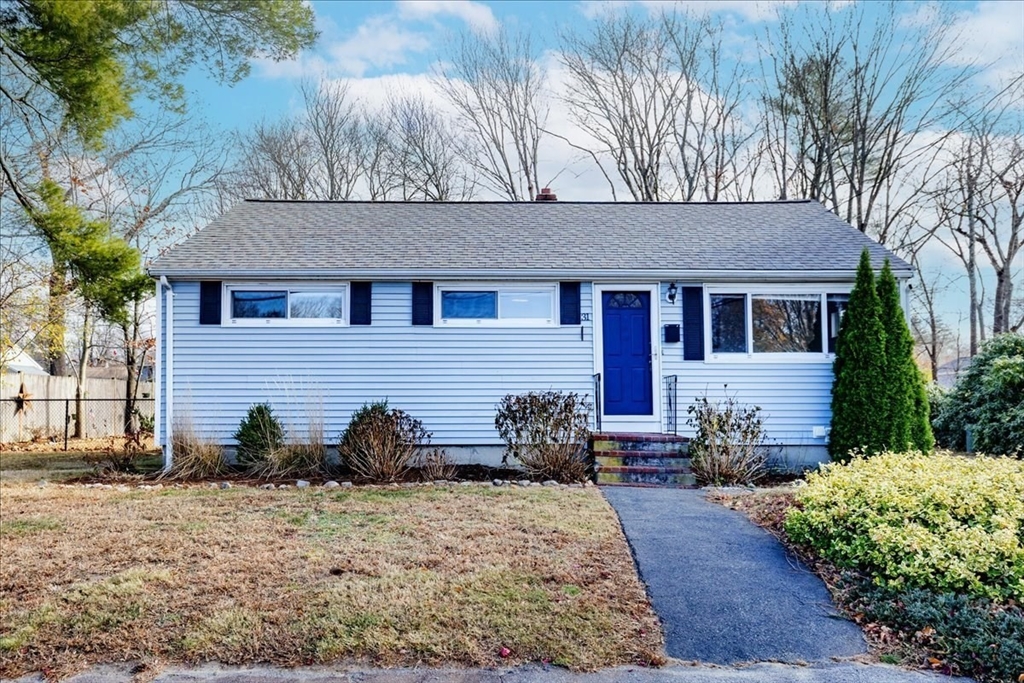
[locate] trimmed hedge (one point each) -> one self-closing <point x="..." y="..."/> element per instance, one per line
<point x="944" y="523"/>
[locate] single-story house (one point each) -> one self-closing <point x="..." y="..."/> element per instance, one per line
<point x="444" y="308"/>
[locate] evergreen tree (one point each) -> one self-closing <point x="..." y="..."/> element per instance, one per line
<point x="901" y="373"/>
<point x="859" y="385"/>
<point x="921" y="434"/>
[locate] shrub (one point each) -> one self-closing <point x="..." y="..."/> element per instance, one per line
<point x="729" y="442"/>
<point x="547" y="432"/>
<point x="987" y="398"/>
<point x="905" y="402"/>
<point x="259" y="434"/>
<point x="976" y="637"/>
<point x="435" y="464"/>
<point x="945" y="523"/>
<point x="859" y="420"/>
<point x="121" y="457"/>
<point x="380" y="443"/>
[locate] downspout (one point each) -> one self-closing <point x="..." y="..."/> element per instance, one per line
<point x="158" y="364"/>
<point x="169" y="369"/>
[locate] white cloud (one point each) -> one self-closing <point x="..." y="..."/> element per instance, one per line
<point x="990" y="34"/>
<point x="379" y="42"/>
<point x="476" y="15"/>
<point x="752" y="10"/>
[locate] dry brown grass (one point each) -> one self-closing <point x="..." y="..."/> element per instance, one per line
<point x="391" y="576"/>
<point x="91" y="445"/>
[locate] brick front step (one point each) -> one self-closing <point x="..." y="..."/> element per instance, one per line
<point x="633" y="459"/>
<point x="628" y="459"/>
<point x="632" y="436"/>
<point x="644" y="470"/>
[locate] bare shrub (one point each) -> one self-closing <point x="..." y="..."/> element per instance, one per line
<point x="380" y="443"/>
<point x="117" y="457"/>
<point x="436" y="464"/>
<point x="547" y="433"/>
<point x="195" y="456"/>
<point x="729" y="445"/>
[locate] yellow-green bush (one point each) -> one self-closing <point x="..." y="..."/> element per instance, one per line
<point x="942" y="522"/>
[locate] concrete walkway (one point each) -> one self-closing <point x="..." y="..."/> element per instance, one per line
<point x="725" y="590"/>
<point x="840" y="672"/>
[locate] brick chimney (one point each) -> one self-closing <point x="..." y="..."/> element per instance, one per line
<point x="546" y="195"/>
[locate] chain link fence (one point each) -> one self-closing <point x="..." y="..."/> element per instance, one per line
<point x="57" y="420"/>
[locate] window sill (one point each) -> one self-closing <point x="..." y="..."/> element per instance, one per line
<point x="771" y="358"/>
<point x="275" y="322"/>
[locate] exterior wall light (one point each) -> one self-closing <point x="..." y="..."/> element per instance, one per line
<point x="671" y="295"/>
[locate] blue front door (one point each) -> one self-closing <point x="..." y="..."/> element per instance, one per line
<point x="626" y="325"/>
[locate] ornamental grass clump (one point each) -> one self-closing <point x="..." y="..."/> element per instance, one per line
<point x="195" y="455"/>
<point x="944" y="523"/>
<point x="547" y="432"/>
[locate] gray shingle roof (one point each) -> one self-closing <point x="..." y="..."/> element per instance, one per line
<point x="286" y="238"/>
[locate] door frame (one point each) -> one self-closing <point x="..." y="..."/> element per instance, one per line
<point x="631" y="423"/>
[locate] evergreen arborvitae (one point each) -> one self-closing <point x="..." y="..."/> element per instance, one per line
<point x="859" y="388"/>
<point x="921" y="434"/>
<point x="258" y="435"/>
<point x="901" y="373"/>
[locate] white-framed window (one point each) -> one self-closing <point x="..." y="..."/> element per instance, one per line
<point x="778" y="323"/>
<point x="284" y="303"/>
<point x="481" y="304"/>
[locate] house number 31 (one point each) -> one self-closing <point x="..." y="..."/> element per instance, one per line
<point x="584" y="317"/>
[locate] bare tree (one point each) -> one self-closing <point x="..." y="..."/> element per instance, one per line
<point x="333" y="126"/>
<point x="709" y="159"/>
<point x="154" y="182"/>
<point x="845" y="109"/>
<point x="496" y="86"/>
<point x="423" y="149"/>
<point x="274" y="161"/>
<point x="933" y="335"/>
<point x="626" y="89"/>
<point x="980" y="205"/>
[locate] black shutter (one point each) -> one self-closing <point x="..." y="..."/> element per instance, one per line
<point x="693" y="323"/>
<point x="360" y="300"/>
<point x="569" y="303"/>
<point x="209" y="303"/>
<point x="423" y="303"/>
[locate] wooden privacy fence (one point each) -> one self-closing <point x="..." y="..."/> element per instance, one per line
<point x="35" y="407"/>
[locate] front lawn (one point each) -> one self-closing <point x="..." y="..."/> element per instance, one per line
<point x="471" y="575"/>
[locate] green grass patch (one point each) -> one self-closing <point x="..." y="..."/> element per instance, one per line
<point x="32" y="525"/>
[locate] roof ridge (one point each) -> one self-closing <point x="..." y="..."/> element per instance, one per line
<point x="491" y="202"/>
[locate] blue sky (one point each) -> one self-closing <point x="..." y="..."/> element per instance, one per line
<point x="367" y="41"/>
<point x="381" y="47"/>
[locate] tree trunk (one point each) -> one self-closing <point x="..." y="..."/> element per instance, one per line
<point x="83" y="365"/>
<point x="54" y="337"/>
<point x="131" y="381"/>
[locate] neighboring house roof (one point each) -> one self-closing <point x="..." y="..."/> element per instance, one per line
<point x="431" y="239"/>
<point x="16" y="359"/>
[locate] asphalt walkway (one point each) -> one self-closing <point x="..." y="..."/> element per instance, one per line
<point x="726" y="591"/>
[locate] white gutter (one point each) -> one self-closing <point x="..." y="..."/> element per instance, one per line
<point x="547" y="274"/>
<point x="169" y="389"/>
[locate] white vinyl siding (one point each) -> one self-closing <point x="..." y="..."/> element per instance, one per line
<point x="451" y="379"/>
<point x="794" y="397"/>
